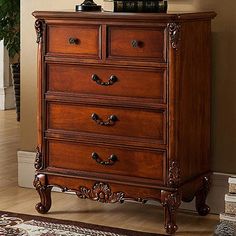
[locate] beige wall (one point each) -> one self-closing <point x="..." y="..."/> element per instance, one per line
<point x="29" y="66"/>
<point x="224" y="74"/>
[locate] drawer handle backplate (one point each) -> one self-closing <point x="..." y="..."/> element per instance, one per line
<point x="111" y="160"/>
<point x="110" y="121"/>
<point x="73" y="41"/>
<point x="111" y="80"/>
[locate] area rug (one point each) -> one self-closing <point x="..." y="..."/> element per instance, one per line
<point x="21" y="225"/>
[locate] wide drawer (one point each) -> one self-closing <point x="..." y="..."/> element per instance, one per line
<point x="119" y="161"/>
<point x="124" y="82"/>
<point x="107" y="120"/>
<point x="79" y="40"/>
<point x="137" y="43"/>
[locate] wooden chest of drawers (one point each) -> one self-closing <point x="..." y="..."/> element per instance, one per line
<point x="124" y="108"/>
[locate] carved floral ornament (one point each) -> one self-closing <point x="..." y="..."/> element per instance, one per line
<point x="39" y="27"/>
<point x="100" y="192"/>
<point x="174" y="174"/>
<point x="174" y="33"/>
<point x="38" y="164"/>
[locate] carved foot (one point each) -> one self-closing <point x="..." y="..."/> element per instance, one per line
<point x="203" y="210"/>
<point x="42" y="209"/>
<point x="170" y="228"/>
<point x="44" y="193"/>
<point x="171" y="202"/>
<point x="201" y="196"/>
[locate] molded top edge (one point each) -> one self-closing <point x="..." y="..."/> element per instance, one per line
<point x="177" y="16"/>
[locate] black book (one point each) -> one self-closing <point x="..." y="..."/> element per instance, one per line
<point x="140" y="6"/>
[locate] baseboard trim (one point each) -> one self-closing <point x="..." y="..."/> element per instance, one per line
<point x="215" y="200"/>
<point x="7" y="98"/>
<point x="216" y="196"/>
<point x="10" y="98"/>
<point x="26" y="169"/>
<point x="2" y="98"/>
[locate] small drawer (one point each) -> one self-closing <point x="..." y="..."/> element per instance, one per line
<point x="137" y="43"/>
<point x="79" y="40"/>
<point x="107" y="120"/>
<point x="117" y="161"/>
<point x="124" y="82"/>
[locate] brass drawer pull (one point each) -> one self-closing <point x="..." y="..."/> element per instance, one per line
<point x="111" y="160"/>
<point x="73" y="41"/>
<point x="110" y="121"/>
<point x="111" y="80"/>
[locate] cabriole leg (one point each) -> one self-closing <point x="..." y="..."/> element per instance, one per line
<point x="202" y="208"/>
<point x="171" y="202"/>
<point x="44" y="193"/>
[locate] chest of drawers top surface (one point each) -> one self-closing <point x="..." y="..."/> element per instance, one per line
<point x="113" y="16"/>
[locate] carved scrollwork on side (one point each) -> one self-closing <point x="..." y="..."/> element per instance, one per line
<point x="174" y="33"/>
<point x="39" y="27"/>
<point x="100" y="192"/>
<point x="174" y="174"/>
<point x="38" y="164"/>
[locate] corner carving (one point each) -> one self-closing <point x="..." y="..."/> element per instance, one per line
<point x="174" y="33"/>
<point x="38" y="164"/>
<point x="100" y="192"/>
<point x="174" y="174"/>
<point x="39" y="27"/>
<point x="39" y="182"/>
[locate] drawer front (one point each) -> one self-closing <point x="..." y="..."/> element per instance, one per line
<point x="126" y="162"/>
<point x="137" y="43"/>
<point x="110" y="121"/>
<point x="108" y="81"/>
<point x="80" y="40"/>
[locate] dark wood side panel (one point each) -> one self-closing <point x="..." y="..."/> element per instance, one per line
<point x="128" y="81"/>
<point x="78" y="156"/>
<point x="130" y="122"/>
<point x="194" y="99"/>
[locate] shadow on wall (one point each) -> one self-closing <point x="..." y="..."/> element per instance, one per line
<point x="223" y="101"/>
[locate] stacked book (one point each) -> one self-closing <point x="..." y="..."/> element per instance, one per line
<point x="158" y="6"/>
<point x="228" y="218"/>
<point x="230" y="202"/>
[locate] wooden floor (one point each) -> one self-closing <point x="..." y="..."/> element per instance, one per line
<point x="132" y="216"/>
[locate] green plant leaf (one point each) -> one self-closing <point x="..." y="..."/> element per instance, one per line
<point x="10" y="25"/>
